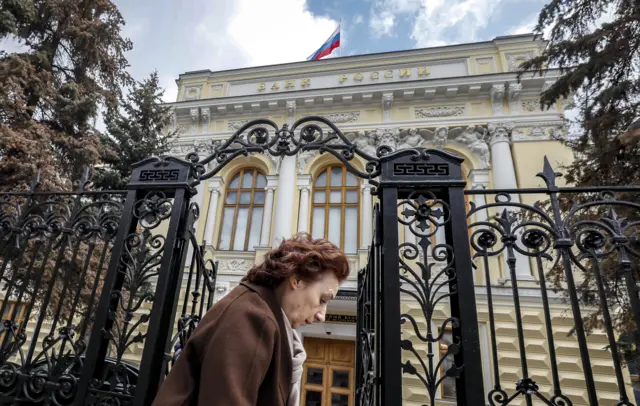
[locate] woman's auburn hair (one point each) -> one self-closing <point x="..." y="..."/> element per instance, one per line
<point x="302" y="256"/>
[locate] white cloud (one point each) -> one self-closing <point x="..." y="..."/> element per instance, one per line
<point x="384" y="13"/>
<point x="465" y="17"/>
<point x="259" y="33"/>
<point x="525" y="27"/>
<point x="358" y="19"/>
<point x="382" y="23"/>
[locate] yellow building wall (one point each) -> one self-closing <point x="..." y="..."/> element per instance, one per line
<point x="537" y="350"/>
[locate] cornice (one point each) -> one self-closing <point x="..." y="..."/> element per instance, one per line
<point x="520" y="121"/>
<point x="408" y="85"/>
<point x="334" y="63"/>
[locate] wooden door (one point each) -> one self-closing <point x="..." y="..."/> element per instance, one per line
<point x="329" y="373"/>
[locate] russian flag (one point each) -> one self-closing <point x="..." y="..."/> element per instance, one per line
<point x="329" y="45"/>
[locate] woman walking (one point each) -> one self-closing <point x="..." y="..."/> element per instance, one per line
<point x="245" y="351"/>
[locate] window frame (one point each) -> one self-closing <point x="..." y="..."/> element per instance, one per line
<point x="343" y="204"/>
<point x="237" y="206"/>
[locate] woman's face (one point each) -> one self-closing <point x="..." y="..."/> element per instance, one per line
<point x="306" y="302"/>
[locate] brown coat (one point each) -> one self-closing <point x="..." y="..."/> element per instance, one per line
<point x="238" y="356"/>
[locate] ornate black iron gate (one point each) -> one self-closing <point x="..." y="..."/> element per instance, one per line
<point x="89" y="277"/>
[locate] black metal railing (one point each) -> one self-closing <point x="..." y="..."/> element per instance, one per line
<point x="367" y="323"/>
<point x="91" y="281"/>
<point x="584" y="258"/>
<point x="54" y="253"/>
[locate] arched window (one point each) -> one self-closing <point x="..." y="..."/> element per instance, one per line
<point x="243" y="210"/>
<point x="336" y="214"/>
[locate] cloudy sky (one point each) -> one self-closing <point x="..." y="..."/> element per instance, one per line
<point x="175" y="36"/>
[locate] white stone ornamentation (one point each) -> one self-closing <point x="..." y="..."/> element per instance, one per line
<point x="387" y="102"/>
<point x="412" y="138"/>
<point x="206" y="118"/>
<point x="234" y="265"/>
<point x="291" y="112"/>
<point x="344" y="117"/>
<point x="499" y="132"/>
<point x="234" y="125"/>
<point x="537" y="132"/>
<point x="474" y="138"/>
<point x="440" y="137"/>
<point x="192" y="93"/>
<point x="387" y="137"/>
<point x="531" y="106"/>
<point x="515" y="60"/>
<point x="363" y="141"/>
<point x="440" y="111"/>
<point x="194" y="115"/>
<point x="497" y="96"/>
<point x="514" y="91"/>
<point x="303" y="158"/>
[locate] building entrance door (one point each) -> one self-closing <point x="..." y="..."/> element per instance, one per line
<point x="328" y="377"/>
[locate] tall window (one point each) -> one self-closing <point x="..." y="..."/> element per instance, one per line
<point x="336" y="207"/>
<point x="243" y="210"/>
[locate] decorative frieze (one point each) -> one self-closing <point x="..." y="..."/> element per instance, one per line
<point x="531" y="106"/>
<point x="192" y="92"/>
<point x="515" y="60"/>
<point x="234" y="265"/>
<point x="474" y="137"/>
<point x="440" y="111"/>
<point x="539" y="132"/>
<point x="234" y="125"/>
<point x="344" y="117"/>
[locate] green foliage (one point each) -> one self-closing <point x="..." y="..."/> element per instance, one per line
<point x="600" y="65"/>
<point x="134" y="132"/>
<point x="73" y="63"/>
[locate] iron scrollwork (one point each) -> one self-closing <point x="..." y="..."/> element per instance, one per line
<point x="312" y="133"/>
<point x="53" y="253"/>
<point x="559" y="242"/>
<point x="428" y="275"/>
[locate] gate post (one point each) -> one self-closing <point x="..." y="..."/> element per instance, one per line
<point x="430" y="184"/>
<point x="159" y="192"/>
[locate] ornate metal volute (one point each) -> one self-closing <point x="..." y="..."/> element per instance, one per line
<point x="158" y="193"/>
<point x="428" y="187"/>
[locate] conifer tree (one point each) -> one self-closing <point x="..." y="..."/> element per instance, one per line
<point x="135" y="131"/>
<point x="73" y="62"/>
<point x="600" y="65"/>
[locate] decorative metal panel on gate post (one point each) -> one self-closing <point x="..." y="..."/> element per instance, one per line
<point x="159" y="192"/>
<point x="427" y="186"/>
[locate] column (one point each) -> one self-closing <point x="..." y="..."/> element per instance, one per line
<point x="215" y="188"/>
<point x="304" y="185"/>
<point x="270" y="188"/>
<point x="286" y="189"/>
<point x="504" y="177"/>
<point x="479" y="179"/>
<point x="366" y="216"/>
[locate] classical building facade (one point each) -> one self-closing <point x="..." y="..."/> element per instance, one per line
<point x="466" y="99"/>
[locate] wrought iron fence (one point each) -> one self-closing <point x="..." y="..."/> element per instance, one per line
<point x="90" y="279"/>
<point x="368" y="324"/>
<point x="583" y="258"/>
<point x="55" y="249"/>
